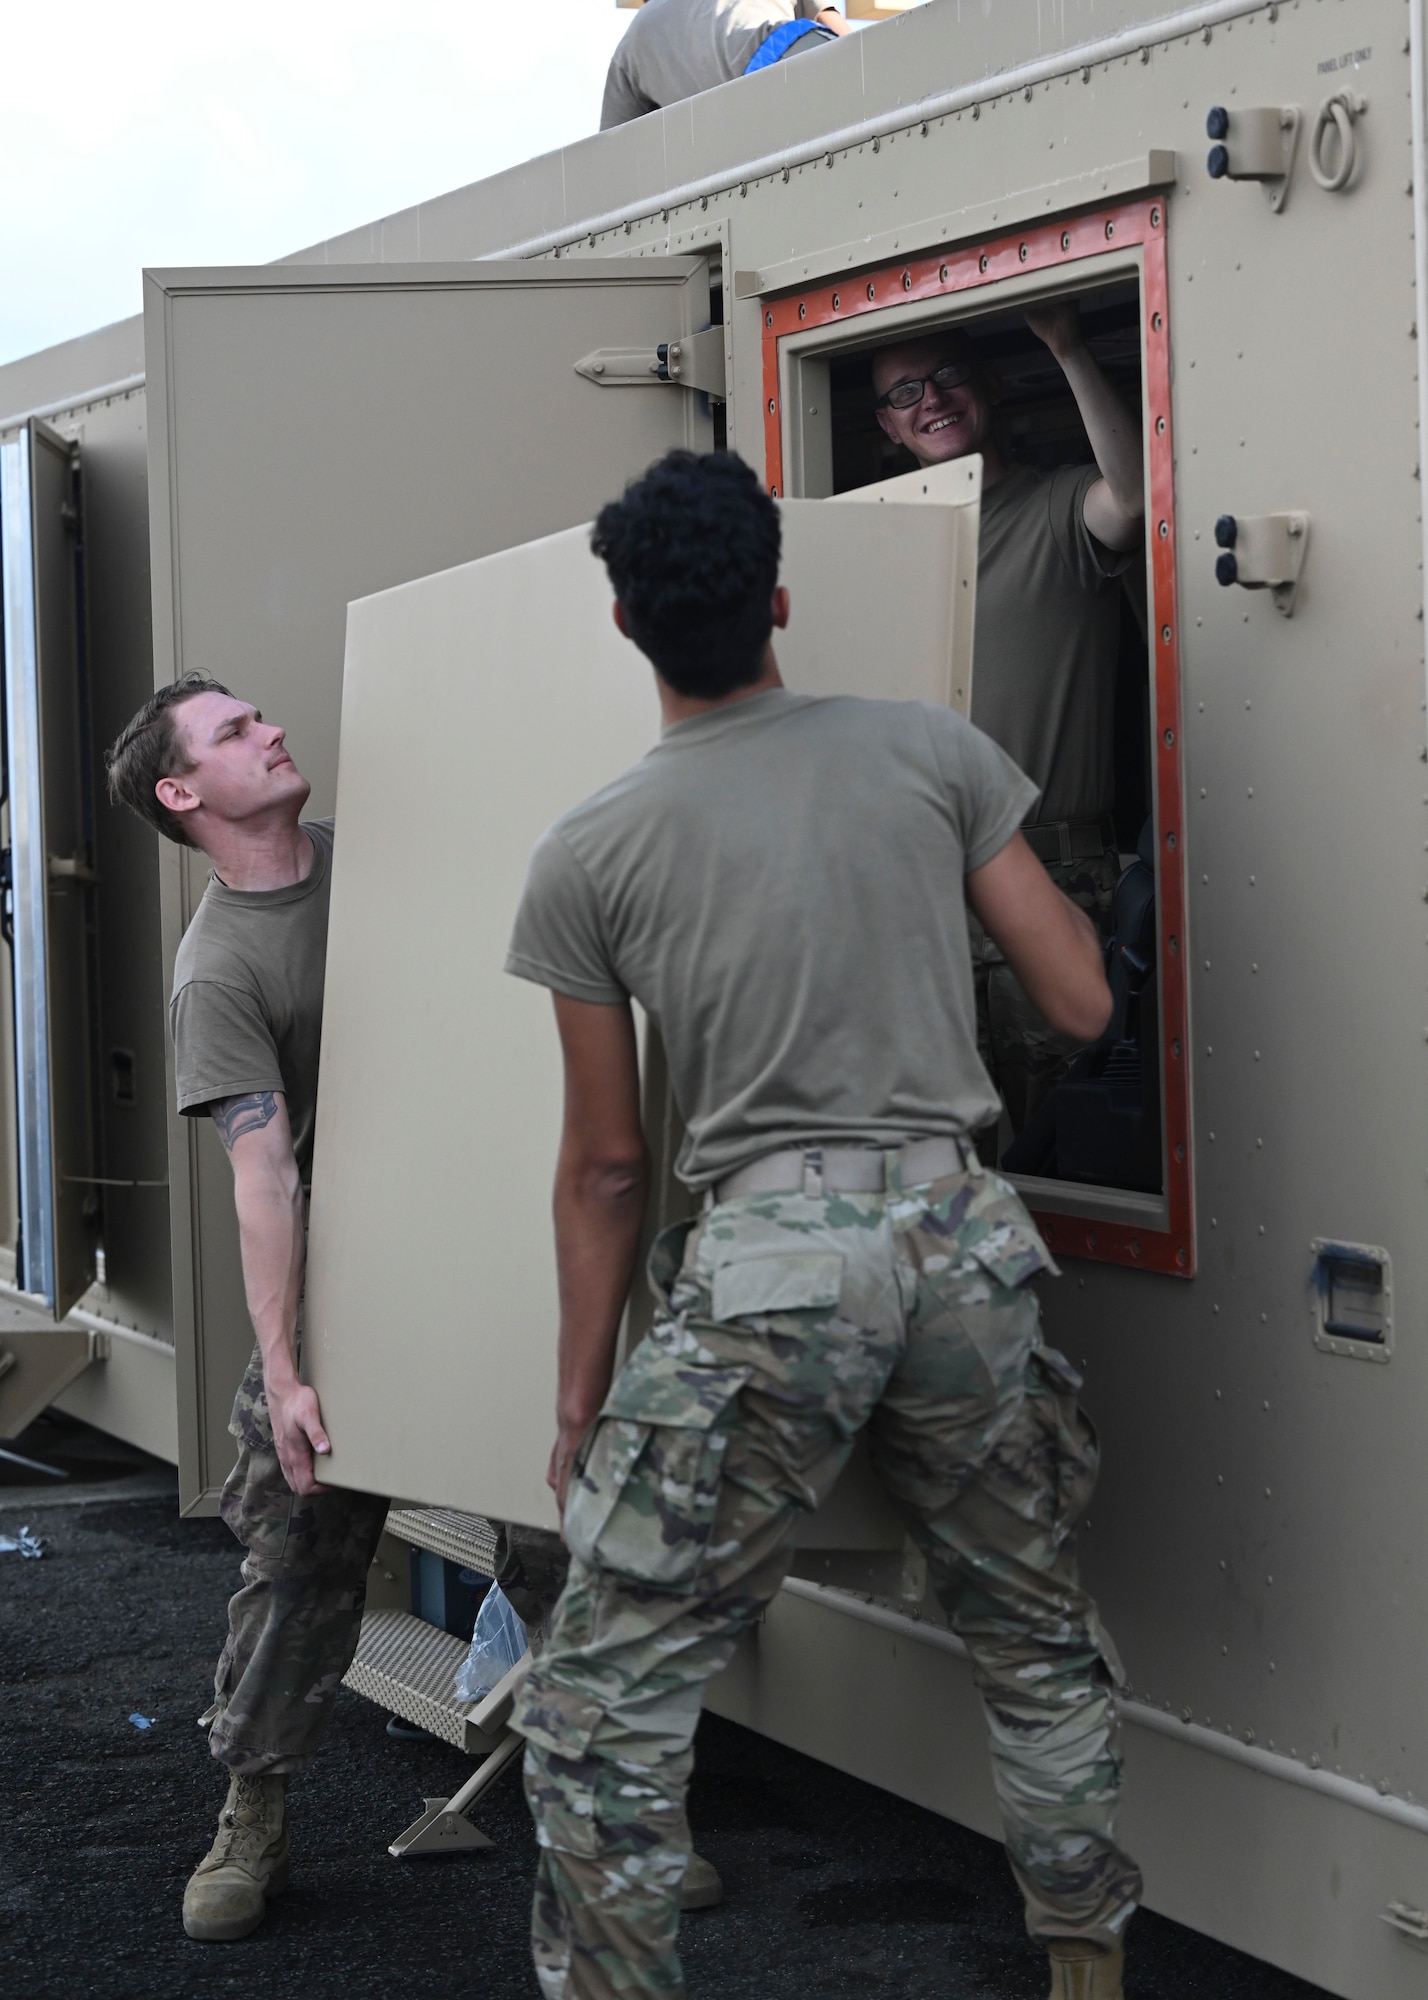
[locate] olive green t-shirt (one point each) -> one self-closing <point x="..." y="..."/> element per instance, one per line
<point x="779" y="884"/>
<point x="246" y="1011"/>
<point x="1047" y="640"/>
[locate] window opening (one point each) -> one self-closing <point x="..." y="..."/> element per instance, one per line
<point x="1097" y="1136"/>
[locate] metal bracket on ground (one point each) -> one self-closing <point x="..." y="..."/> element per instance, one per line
<point x="443" y="1827"/>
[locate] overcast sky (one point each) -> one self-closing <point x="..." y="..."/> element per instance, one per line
<point x="165" y="133"/>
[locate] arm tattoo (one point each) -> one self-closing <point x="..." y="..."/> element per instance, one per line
<point x="235" y="1116"/>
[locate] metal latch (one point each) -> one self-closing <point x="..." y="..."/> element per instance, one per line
<point x="1408" y="1922"/>
<point x="1263" y="552"/>
<point x="694" y="361"/>
<point x="1255" y="145"/>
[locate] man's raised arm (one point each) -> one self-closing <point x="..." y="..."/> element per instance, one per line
<point x="601" y="1180"/>
<point x="267" y="1193"/>
<point x="1115" y="505"/>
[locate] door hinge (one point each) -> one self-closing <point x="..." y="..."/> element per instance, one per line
<point x="694" y="361"/>
<point x="1263" y="552"/>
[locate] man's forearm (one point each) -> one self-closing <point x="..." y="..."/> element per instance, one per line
<point x="598" y="1214"/>
<point x="270" y="1234"/>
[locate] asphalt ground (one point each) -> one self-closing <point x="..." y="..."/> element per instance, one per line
<point x="834" y="1888"/>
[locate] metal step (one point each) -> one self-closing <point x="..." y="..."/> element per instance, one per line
<point x="467" y="1539"/>
<point x="408" y="1666"/>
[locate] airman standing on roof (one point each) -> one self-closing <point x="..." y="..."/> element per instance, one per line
<point x="678" y="48"/>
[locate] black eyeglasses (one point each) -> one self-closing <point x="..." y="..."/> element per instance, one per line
<point x="903" y="395"/>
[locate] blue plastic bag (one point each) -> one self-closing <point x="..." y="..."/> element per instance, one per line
<point x="497" y="1643"/>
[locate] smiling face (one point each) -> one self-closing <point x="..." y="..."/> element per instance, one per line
<point x="238" y="767"/>
<point x="950" y="419"/>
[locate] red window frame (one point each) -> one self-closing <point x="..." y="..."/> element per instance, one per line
<point x="953" y="273"/>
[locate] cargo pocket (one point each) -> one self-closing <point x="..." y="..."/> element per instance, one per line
<point x="777" y="1282"/>
<point x="1073" y="1451"/>
<point x="1012" y="1251"/>
<point x="643" y="1500"/>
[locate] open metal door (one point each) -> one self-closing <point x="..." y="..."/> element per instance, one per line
<point x="432" y="1305"/>
<point x="317" y="434"/>
<point x="50" y="881"/>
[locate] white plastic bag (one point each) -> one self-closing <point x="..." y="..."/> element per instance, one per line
<point x="497" y="1643"/>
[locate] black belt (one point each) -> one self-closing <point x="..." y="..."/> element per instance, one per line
<point x="1071" y="839"/>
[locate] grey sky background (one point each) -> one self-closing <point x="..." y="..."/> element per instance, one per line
<point x="159" y="133"/>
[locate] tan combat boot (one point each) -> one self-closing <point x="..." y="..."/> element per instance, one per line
<point x="1081" y="1971"/>
<point x="227" y="1894"/>
<point x="701" y="1888"/>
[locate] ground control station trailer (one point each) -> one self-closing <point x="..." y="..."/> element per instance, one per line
<point x="1235" y="194"/>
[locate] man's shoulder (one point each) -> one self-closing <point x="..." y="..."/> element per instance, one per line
<point x="209" y="953"/>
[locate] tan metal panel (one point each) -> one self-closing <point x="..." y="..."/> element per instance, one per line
<point x="431" y="1282"/>
<point x="316" y="434"/>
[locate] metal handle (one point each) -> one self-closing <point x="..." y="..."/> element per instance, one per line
<point x="1340" y="112"/>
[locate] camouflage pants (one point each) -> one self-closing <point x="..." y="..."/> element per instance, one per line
<point x="791" y="1322"/>
<point x="293" y="1626"/>
<point x="1025" y="1056"/>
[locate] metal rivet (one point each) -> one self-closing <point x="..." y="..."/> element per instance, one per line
<point x="1021" y="252"/>
<point x="907" y="281"/>
<point x="1110" y="231"/>
<point x="942" y="274"/>
<point x="773" y="493"/>
<point x="1164" y="531"/>
<point x="1156" y="322"/>
<point x="871" y="292"/>
<point x="836" y="302"/>
<point x="1160" y="427"/>
<point x="1170" y="840"/>
<point x="1155" y="212"/>
<point x="803" y="312"/>
<point x="768" y="319"/>
<point x="1175" y="1050"/>
<point x="1066" y="239"/>
<point x="982" y="261"/>
<point x="1165" y="634"/>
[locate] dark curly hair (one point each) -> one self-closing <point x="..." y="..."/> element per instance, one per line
<point x="692" y="551"/>
<point x="148" y="748"/>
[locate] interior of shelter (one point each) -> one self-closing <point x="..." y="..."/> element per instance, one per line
<point x="1103" y="1126"/>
